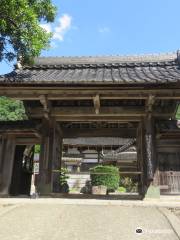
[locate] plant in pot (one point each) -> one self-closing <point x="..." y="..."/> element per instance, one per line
<point x="104" y="179"/>
<point x="64" y="187"/>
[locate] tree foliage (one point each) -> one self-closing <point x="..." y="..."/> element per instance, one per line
<point x="20" y="32"/>
<point x="11" y="110"/>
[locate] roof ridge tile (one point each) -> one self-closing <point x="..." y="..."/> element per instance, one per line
<point x="83" y="60"/>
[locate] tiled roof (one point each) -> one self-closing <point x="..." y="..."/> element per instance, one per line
<point x="99" y="70"/>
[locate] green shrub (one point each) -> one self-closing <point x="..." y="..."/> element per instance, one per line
<point x="37" y="148"/>
<point x="74" y="190"/>
<point x="121" y="189"/>
<point x="105" y="175"/>
<point x="128" y="184"/>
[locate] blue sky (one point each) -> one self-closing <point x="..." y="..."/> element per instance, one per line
<point x="113" y="27"/>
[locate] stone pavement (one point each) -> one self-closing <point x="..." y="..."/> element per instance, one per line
<point x="52" y="219"/>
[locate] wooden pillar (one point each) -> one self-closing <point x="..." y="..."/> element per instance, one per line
<point x="150" y="145"/>
<point x="98" y="155"/>
<point x="1" y="153"/>
<point x="152" y="182"/>
<point x="57" y="156"/>
<point x="43" y="178"/>
<point x="141" y="160"/>
<point x="1" y="157"/>
<point x="50" y="157"/>
<point x="7" y="151"/>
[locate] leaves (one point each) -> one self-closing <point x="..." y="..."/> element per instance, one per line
<point x="11" y="110"/>
<point x="20" y="32"/>
<point x="63" y="176"/>
<point x="105" y="175"/>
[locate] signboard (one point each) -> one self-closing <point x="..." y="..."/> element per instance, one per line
<point x="36" y="167"/>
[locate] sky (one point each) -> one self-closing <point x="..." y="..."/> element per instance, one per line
<point x="112" y="27"/>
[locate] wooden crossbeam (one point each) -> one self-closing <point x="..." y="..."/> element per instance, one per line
<point x="89" y="111"/>
<point x="125" y="132"/>
<point x="30" y="93"/>
<point x="85" y="112"/>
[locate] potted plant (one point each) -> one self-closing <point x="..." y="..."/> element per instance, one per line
<point x="104" y="179"/>
<point x="129" y="184"/>
<point x="64" y="187"/>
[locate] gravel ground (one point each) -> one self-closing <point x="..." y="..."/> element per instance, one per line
<point x="83" y="222"/>
<point x="176" y="211"/>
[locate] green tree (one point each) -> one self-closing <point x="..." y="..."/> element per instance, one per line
<point x="20" y="32"/>
<point x="11" y="109"/>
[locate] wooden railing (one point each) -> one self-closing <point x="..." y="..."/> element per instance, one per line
<point x="170" y="182"/>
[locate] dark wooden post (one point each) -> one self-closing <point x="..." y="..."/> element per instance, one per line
<point x="149" y="140"/>
<point x="141" y="160"/>
<point x="152" y="182"/>
<point x="57" y="156"/>
<point x="43" y="185"/>
<point x="1" y="158"/>
<point x="7" y="151"/>
<point x="50" y="157"/>
<point x="98" y="155"/>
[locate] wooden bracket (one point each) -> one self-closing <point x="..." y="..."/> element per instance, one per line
<point x="96" y="101"/>
<point x="46" y="105"/>
<point x="150" y="102"/>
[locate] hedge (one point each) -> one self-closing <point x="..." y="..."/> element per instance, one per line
<point x="105" y="175"/>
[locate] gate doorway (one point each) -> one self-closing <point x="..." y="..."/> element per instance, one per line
<point x="22" y="170"/>
<point x="169" y="172"/>
<point x="83" y="153"/>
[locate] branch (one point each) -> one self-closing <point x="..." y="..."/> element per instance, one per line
<point x="9" y="19"/>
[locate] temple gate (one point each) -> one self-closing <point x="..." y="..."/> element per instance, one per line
<point x="123" y="97"/>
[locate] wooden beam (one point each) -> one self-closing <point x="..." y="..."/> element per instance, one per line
<point x="57" y="93"/>
<point x="20" y="132"/>
<point x="89" y="111"/>
<point x="27" y="141"/>
<point x="70" y="133"/>
<point x="84" y="112"/>
<point x="97" y="118"/>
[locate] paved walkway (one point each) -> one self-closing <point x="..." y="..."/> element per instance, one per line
<point x="51" y="220"/>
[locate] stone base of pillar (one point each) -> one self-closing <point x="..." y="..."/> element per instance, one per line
<point x="4" y="195"/>
<point x="4" y="192"/>
<point x="44" y="189"/>
<point x="152" y="192"/>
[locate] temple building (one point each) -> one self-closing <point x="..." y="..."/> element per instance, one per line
<point x="131" y="100"/>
